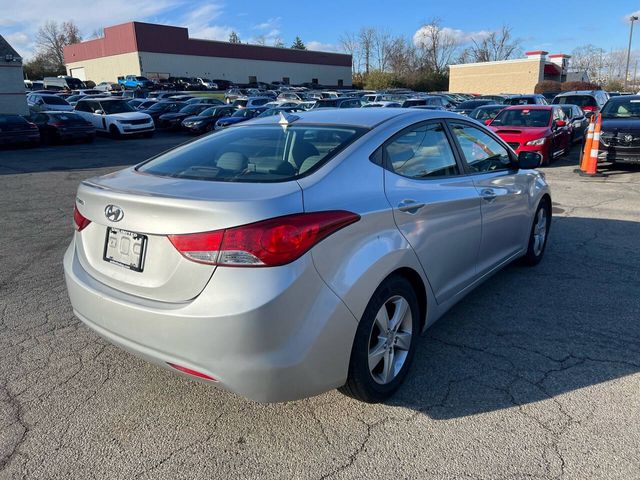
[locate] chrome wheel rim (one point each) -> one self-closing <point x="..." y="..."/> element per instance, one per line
<point x="540" y="231"/>
<point x="390" y="340"/>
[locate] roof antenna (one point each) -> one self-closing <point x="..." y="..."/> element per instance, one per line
<point x="286" y="119"/>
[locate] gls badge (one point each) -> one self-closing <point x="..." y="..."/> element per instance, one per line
<point x="113" y="213"/>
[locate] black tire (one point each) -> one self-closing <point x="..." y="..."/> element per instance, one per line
<point x="360" y="382"/>
<point x="114" y="132"/>
<point x="533" y="255"/>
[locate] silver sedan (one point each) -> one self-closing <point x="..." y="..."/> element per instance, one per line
<point x="290" y="255"/>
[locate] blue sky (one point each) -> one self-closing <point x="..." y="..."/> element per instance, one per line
<point x="554" y="26"/>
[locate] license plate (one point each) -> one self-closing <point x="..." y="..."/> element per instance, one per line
<point x="125" y="248"/>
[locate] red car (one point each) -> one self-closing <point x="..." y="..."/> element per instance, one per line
<point x="534" y="128"/>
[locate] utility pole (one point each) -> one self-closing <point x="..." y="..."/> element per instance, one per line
<point x="633" y="18"/>
<point x="635" y="75"/>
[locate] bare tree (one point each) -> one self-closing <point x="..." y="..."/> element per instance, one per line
<point x="260" y="40"/>
<point x="278" y="42"/>
<point x="351" y="44"/>
<point x="381" y="43"/>
<point x="51" y="40"/>
<point x="436" y="46"/>
<point x="366" y="36"/>
<point x="497" y="45"/>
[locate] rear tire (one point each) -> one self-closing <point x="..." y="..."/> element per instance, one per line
<point x="539" y="234"/>
<point x="385" y="342"/>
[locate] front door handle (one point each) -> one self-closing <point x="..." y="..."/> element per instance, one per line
<point x="488" y="194"/>
<point x="410" y="206"/>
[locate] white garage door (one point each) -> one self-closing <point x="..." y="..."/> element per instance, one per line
<point x="78" y="73"/>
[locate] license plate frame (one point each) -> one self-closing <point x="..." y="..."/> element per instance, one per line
<point x="116" y="240"/>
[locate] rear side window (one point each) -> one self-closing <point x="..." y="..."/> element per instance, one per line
<point x="421" y="152"/>
<point x="481" y="151"/>
<point x="52" y="100"/>
<point x="264" y="153"/>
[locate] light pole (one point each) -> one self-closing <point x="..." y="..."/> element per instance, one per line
<point x="633" y="18"/>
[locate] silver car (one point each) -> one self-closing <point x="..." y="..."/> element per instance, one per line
<point x="291" y="255"/>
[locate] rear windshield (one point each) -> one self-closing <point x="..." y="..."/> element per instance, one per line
<point x="240" y="103"/>
<point x="326" y="103"/>
<point x="256" y="153"/>
<point x="53" y="100"/>
<point x="473" y="104"/>
<point x="116" y="106"/>
<point x="520" y="101"/>
<point x="580" y="100"/>
<point x="67" y="117"/>
<point x="522" y="118"/>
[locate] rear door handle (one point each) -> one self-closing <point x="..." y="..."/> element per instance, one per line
<point x="410" y="206"/>
<point x="488" y="194"/>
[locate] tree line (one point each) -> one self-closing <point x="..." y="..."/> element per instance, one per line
<point x="382" y="60"/>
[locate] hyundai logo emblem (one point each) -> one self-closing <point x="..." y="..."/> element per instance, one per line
<point x="114" y="213"/>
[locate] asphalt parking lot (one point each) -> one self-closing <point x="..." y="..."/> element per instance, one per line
<point x="534" y="375"/>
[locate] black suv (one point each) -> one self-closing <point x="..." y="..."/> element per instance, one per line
<point x="620" y="137"/>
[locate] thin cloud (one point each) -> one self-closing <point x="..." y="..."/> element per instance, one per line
<point x="321" y="47"/>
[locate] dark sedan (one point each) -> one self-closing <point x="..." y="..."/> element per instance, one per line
<point x="577" y="121"/>
<point x="163" y="106"/>
<point x="241" y="115"/>
<point x="486" y="112"/>
<point x="620" y="137"/>
<point x="468" y="106"/>
<point x="206" y="120"/>
<point x="14" y="129"/>
<point x="174" y="119"/>
<point x="61" y="126"/>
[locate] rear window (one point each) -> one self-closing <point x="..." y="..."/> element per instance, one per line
<point x="326" y="103"/>
<point x="520" y="101"/>
<point x="580" y="100"/>
<point x="264" y="153"/>
<point x="522" y="118"/>
<point x="240" y="103"/>
<point x="53" y="100"/>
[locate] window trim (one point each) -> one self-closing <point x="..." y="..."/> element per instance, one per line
<point x="384" y="158"/>
<point x="467" y="169"/>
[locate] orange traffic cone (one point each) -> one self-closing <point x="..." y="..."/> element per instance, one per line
<point x="591" y="167"/>
<point x="586" y="152"/>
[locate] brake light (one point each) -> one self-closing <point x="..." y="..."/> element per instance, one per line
<point x="80" y="221"/>
<point x="589" y="109"/>
<point x="267" y="243"/>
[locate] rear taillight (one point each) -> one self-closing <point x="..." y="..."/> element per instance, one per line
<point x="589" y="109"/>
<point x="268" y="243"/>
<point x="80" y="221"/>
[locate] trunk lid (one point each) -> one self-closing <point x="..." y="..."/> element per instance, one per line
<point x="157" y="206"/>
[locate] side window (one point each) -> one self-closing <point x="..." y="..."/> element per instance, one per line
<point x="481" y="151"/>
<point x="422" y="152"/>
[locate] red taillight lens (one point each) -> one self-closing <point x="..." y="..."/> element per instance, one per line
<point x="268" y="243"/>
<point x="189" y="371"/>
<point x="589" y="109"/>
<point x="80" y="221"/>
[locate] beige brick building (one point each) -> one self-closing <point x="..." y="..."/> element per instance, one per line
<point x="508" y="76"/>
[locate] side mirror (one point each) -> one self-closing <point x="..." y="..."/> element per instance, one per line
<point x="529" y="160"/>
<point x="99" y="112"/>
<point x="488" y="121"/>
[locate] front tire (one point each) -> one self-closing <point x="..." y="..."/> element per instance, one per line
<point x="384" y="343"/>
<point x="115" y="133"/>
<point x="539" y="234"/>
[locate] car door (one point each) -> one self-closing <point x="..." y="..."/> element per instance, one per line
<point x="435" y="207"/>
<point x="561" y="134"/>
<point x="503" y="190"/>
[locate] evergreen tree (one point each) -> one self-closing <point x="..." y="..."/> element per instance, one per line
<point x="298" y="44"/>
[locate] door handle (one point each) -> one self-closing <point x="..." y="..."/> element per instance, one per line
<point x="410" y="206"/>
<point x="488" y="194"/>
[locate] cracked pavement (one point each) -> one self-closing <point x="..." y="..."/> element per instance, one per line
<point x="534" y="375"/>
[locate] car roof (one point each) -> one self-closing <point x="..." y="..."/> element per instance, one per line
<point x="620" y="98"/>
<point x="579" y="92"/>
<point x="362" y="117"/>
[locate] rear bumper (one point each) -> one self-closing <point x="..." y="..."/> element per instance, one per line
<point x="271" y="334"/>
